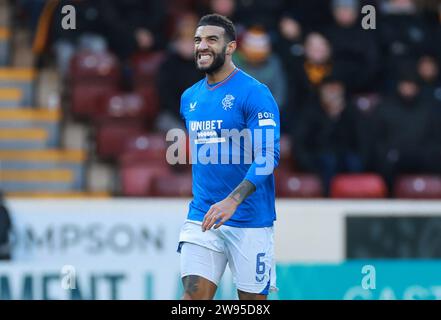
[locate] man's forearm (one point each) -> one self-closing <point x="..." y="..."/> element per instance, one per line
<point x="242" y="191"/>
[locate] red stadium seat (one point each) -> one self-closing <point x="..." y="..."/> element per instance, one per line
<point x="358" y="186"/>
<point x="111" y="136"/>
<point x="152" y="142"/>
<point x="123" y="105"/>
<point x="151" y="98"/>
<point x="137" y="178"/>
<point x="286" y="159"/>
<point x="87" y="66"/>
<point x="145" y="147"/>
<point x="173" y="185"/>
<point x="92" y="76"/>
<point x="86" y="97"/>
<point x="145" y="69"/>
<point x="418" y="187"/>
<point x="146" y="66"/>
<point x="294" y="185"/>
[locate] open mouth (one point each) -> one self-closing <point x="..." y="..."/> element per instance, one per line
<point x="204" y="57"/>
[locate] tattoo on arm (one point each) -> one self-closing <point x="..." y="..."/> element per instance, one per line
<point x="191" y="284"/>
<point x="243" y="190"/>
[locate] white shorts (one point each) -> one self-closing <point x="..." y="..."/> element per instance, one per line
<point x="249" y="253"/>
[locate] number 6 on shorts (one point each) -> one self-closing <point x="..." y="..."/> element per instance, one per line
<point x="260" y="265"/>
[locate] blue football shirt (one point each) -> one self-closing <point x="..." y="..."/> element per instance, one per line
<point x="234" y="131"/>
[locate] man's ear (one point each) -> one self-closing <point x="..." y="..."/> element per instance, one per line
<point x="231" y="47"/>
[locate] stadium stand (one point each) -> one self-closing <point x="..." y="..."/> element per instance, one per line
<point x="363" y="186"/>
<point x="112" y="134"/>
<point x="5" y="46"/>
<point x="172" y="185"/>
<point x="150" y="147"/>
<point x="33" y="162"/>
<point x="11" y="97"/>
<point x="146" y="67"/>
<point x="286" y="153"/>
<point x="298" y="185"/>
<point x="121" y="105"/>
<point x="91" y="76"/>
<point x="137" y="178"/>
<point x="17" y="84"/>
<point x="43" y="118"/>
<point x="418" y="187"/>
<point x="105" y="125"/>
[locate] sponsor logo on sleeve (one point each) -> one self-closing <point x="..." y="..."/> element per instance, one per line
<point x="266" y="119"/>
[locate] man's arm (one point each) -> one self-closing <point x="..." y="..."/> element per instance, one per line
<point x="242" y="191"/>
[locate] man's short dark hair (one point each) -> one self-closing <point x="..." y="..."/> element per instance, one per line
<point x="219" y="21"/>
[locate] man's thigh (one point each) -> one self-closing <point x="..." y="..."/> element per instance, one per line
<point x="201" y="270"/>
<point x="250" y="253"/>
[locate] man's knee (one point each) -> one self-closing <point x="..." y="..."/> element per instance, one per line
<point x="250" y="296"/>
<point x="198" y="288"/>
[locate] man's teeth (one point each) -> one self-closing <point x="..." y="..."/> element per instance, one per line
<point x="204" y="56"/>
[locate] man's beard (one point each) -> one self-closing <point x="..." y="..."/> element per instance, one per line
<point x="218" y="62"/>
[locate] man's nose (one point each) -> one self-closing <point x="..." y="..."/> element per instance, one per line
<point x="203" y="45"/>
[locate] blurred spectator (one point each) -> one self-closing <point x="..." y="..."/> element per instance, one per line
<point x="437" y="32"/>
<point x="307" y="14"/>
<point x="308" y="72"/>
<point x="134" y="25"/>
<point x="32" y="10"/>
<point x="428" y="72"/>
<point x="177" y="73"/>
<point x="5" y="229"/>
<point x="402" y="135"/>
<point x="404" y="36"/>
<point x="88" y="35"/>
<point x="366" y="105"/>
<point x="263" y="13"/>
<point x="355" y="50"/>
<point x="432" y="145"/>
<point x="289" y="45"/>
<point x="325" y="140"/>
<point x="225" y="8"/>
<point x="255" y="56"/>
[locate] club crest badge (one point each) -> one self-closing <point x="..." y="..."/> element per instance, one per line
<point x="227" y="102"/>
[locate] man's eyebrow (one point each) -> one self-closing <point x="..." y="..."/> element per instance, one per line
<point x="209" y="36"/>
